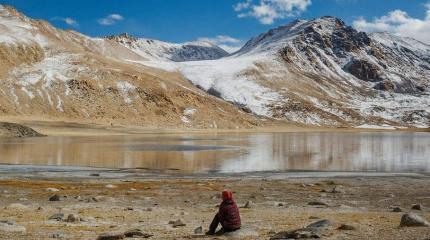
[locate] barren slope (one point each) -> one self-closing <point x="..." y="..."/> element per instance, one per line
<point x="64" y="75"/>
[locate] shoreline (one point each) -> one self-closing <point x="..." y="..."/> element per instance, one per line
<point x="76" y="173"/>
<point x="70" y="128"/>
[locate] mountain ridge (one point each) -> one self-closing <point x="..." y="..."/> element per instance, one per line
<point x="314" y="72"/>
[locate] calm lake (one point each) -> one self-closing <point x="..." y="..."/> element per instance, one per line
<point x="233" y="152"/>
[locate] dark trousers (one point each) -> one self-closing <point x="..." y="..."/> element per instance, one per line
<point x="214" y="225"/>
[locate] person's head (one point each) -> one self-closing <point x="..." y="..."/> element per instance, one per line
<point x="227" y="195"/>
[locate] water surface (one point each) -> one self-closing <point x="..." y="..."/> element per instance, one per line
<point x="235" y="152"/>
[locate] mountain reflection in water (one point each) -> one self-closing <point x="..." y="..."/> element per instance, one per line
<point x="235" y="152"/>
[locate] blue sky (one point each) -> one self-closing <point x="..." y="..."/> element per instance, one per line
<point x="185" y="20"/>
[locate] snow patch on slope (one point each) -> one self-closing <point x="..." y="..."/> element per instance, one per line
<point x="126" y="88"/>
<point x="222" y="78"/>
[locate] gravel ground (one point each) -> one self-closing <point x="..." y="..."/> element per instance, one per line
<point x="105" y="205"/>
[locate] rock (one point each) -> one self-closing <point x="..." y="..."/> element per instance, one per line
<point x="17" y="130"/>
<point x="57" y="216"/>
<point x="319" y="225"/>
<point x="346" y="227"/>
<point x="111" y="236"/>
<point x="94" y="175"/>
<point x="413" y="220"/>
<point x="57" y="235"/>
<point x="363" y="70"/>
<point x="311" y="231"/>
<point x="7" y="222"/>
<point x="337" y="189"/>
<point x="110" y="186"/>
<point x="23" y="199"/>
<point x="397" y="209"/>
<point x="52" y="190"/>
<point x="101" y="199"/>
<point x="317" y="203"/>
<point x="295" y="234"/>
<point x="417" y="207"/>
<point x="137" y="233"/>
<point x="54" y="197"/>
<point x="177" y="223"/>
<point x="198" y="230"/>
<point x="132" y="189"/>
<point x="243" y="233"/>
<point x="71" y="218"/>
<point x="248" y="204"/>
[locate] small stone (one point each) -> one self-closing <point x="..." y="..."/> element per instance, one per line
<point x="177" y="223"/>
<point x="95" y="175"/>
<point x="71" y="218"/>
<point x="110" y="186"/>
<point x="417" y="207"/>
<point x="248" y="204"/>
<point x="321" y="224"/>
<point x="132" y="189"/>
<point x="317" y="203"/>
<point x="57" y="235"/>
<point x="337" y="189"/>
<point x="23" y="199"/>
<point x="295" y="234"/>
<point x="111" y="236"/>
<point x="413" y="220"/>
<point x="54" y="197"/>
<point x="137" y="233"/>
<point x="57" y="216"/>
<point x="397" y="209"/>
<point x="346" y="227"/>
<point x="52" y="190"/>
<point x="198" y="230"/>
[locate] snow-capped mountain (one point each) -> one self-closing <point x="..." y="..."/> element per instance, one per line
<point x="158" y="50"/>
<point x="49" y="73"/>
<point x="324" y="72"/>
<point x="319" y="72"/>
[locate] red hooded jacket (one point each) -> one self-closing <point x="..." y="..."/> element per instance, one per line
<point x="229" y="212"/>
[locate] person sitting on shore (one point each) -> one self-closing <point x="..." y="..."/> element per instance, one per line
<point x="228" y="216"/>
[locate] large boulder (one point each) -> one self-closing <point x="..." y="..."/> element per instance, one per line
<point x="413" y="220"/>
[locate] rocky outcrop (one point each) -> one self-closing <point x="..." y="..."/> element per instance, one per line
<point x="17" y="130"/>
<point x="363" y="70"/>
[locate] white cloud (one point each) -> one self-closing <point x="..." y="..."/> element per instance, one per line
<point x="227" y="43"/>
<point x="69" y="21"/>
<point x="399" y="23"/>
<point x="267" y="11"/>
<point x="110" y="19"/>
